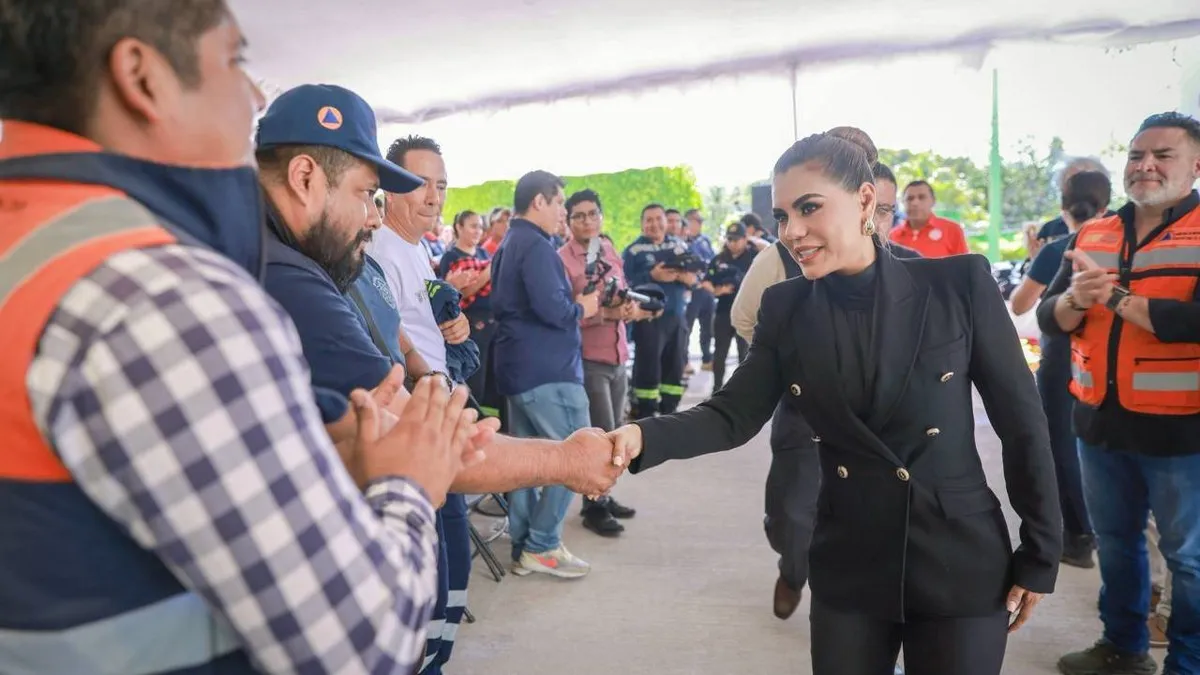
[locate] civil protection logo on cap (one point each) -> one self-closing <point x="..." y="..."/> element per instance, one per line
<point x="329" y="117"/>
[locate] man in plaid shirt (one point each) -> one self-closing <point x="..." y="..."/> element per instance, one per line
<point x="171" y="500"/>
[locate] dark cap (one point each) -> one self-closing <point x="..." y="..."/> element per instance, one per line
<point x="735" y="231"/>
<point x="332" y="116"/>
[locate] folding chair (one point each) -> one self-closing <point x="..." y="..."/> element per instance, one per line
<point x="483" y="544"/>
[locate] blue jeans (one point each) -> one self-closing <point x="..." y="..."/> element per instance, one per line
<point x="1122" y="489"/>
<point x="535" y="515"/>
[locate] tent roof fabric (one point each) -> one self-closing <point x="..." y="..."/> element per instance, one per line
<point x="417" y="62"/>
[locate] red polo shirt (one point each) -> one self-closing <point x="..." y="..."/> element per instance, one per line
<point x="938" y="239"/>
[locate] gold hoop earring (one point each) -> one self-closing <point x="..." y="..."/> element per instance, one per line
<point x="868" y="228"/>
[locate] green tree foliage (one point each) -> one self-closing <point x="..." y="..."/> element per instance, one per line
<point x="623" y="193"/>
<point x="723" y="204"/>
<point x="960" y="185"/>
<point x="1029" y="190"/>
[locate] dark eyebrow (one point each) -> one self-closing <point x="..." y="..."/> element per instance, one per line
<point x="804" y="198"/>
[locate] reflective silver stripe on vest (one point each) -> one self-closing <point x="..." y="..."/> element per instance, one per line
<point x="1173" y="255"/>
<point x="1082" y="377"/>
<point x="171" y="634"/>
<point x="90" y="221"/>
<point x="1166" y="381"/>
<point x="1104" y="259"/>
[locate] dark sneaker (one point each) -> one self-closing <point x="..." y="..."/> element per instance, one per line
<point x="1104" y="659"/>
<point x="1077" y="551"/>
<point x="620" y="510"/>
<point x="602" y="523"/>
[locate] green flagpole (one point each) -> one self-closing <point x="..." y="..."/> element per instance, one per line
<point x="996" y="191"/>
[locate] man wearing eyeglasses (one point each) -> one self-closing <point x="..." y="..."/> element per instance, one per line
<point x="605" y="348"/>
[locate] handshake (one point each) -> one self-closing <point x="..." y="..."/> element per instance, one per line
<point x="432" y="438"/>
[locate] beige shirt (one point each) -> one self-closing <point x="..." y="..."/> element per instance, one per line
<point x="766" y="270"/>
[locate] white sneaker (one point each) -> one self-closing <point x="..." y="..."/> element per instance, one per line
<point x="557" y="563"/>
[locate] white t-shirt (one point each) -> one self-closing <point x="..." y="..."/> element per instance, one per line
<point x="406" y="267"/>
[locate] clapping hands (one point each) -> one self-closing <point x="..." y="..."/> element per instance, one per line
<point x="1091" y="284"/>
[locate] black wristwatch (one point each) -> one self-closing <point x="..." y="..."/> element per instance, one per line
<point x="1119" y="293"/>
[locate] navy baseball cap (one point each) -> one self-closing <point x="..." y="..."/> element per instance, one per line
<point x="735" y="231"/>
<point x="325" y="114"/>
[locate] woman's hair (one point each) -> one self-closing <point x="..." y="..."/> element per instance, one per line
<point x="495" y="213"/>
<point x="462" y="218"/>
<point x="1086" y="194"/>
<point x="846" y="155"/>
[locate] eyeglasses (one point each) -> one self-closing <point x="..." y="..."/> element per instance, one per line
<point x="580" y="216"/>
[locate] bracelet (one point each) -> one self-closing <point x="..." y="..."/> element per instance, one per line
<point x="1070" y="300"/>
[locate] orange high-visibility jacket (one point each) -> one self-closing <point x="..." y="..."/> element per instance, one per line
<point x="1146" y="375"/>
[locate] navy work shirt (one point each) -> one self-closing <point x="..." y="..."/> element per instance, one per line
<point x="332" y="333"/>
<point x="537" y="337"/>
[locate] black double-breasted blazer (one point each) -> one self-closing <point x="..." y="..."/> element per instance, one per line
<point x="907" y="525"/>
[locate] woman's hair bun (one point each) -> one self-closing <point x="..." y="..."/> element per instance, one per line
<point x="859" y="138"/>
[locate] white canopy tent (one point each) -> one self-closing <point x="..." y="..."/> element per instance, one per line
<point x="417" y="62"/>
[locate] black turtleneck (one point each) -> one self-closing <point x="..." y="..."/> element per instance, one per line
<point x="852" y="313"/>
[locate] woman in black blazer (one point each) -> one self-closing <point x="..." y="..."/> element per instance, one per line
<point x="911" y="547"/>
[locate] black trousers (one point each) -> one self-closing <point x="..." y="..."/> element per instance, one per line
<point x="793" y="484"/>
<point x="1058" y="404"/>
<point x="848" y="643"/>
<point x="483" y="329"/>
<point x="701" y="309"/>
<point x="725" y="334"/>
<point x="658" y="365"/>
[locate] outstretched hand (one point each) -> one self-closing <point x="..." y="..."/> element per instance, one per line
<point x="591" y="469"/>
<point x="626" y="444"/>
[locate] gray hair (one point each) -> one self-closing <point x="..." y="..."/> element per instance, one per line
<point x="1073" y="165"/>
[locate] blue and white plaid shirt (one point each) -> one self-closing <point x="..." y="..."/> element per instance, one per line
<point x="176" y="393"/>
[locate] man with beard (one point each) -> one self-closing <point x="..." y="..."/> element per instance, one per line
<point x="1126" y="294"/>
<point x="320" y="168"/>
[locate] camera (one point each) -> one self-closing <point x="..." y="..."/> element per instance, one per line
<point x="614" y="296"/>
<point x="726" y="275"/>
<point x="684" y="262"/>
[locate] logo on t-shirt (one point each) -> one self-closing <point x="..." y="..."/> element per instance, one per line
<point x="935" y="234"/>
<point x="380" y="285"/>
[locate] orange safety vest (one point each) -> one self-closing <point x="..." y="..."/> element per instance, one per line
<point x="1147" y="375"/>
<point x="54" y="234"/>
<point x="62" y="609"/>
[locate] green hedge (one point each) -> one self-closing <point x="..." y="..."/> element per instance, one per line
<point x="623" y="194"/>
<point x="1012" y="245"/>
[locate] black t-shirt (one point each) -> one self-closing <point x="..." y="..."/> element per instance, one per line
<point x="724" y="260"/>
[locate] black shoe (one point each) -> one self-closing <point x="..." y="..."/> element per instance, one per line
<point x="1104" y="659"/>
<point x="1077" y="550"/>
<point x="620" y="510"/>
<point x="602" y="523"/>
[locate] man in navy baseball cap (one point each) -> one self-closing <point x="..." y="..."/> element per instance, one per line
<point x="331" y="116"/>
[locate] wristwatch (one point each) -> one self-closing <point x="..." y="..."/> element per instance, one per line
<point x="1119" y="293"/>
<point x="1070" y="300"/>
<point x="445" y="379"/>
